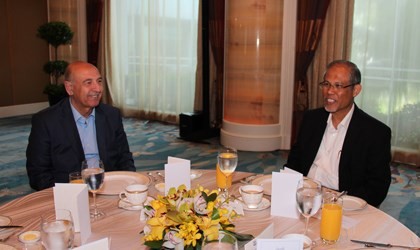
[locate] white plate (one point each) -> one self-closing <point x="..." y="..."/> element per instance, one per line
<point x="5" y="233"/>
<point x="128" y="206"/>
<point x="265" y="203"/>
<point x="352" y="203"/>
<point x="116" y="181"/>
<point x="194" y="174"/>
<point x="7" y="247"/>
<point x="265" y="182"/>
<point x="4" y="220"/>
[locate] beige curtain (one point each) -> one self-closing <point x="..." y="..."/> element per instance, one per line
<point x="150" y="69"/>
<point x="335" y="44"/>
<point x="104" y="36"/>
<point x="198" y="96"/>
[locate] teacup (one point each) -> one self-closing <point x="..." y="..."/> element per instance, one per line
<point x="136" y="194"/>
<point x="251" y="195"/>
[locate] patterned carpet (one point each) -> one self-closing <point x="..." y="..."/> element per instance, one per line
<point x="151" y="144"/>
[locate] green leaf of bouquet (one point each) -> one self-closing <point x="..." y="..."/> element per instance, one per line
<point x="224" y="226"/>
<point x="215" y="215"/>
<point x="156" y="244"/>
<point x="240" y="237"/>
<point x="211" y="197"/>
<point x="204" y="196"/>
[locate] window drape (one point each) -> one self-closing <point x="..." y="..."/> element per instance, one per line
<point x="385" y="46"/>
<point x="216" y="36"/>
<point x="94" y="8"/>
<point x="311" y="16"/>
<point x="335" y="43"/>
<point x="151" y="66"/>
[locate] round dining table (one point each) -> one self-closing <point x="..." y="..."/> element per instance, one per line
<point x="123" y="226"/>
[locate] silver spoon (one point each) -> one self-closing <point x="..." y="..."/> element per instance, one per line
<point x="339" y="195"/>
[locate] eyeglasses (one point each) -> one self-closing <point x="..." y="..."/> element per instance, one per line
<point x="335" y="86"/>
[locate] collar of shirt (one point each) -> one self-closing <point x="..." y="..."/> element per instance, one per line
<point x="345" y="122"/>
<point x="78" y="117"/>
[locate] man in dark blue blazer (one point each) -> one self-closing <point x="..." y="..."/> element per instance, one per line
<point x="55" y="146"/>
<point x="340" y="145"/>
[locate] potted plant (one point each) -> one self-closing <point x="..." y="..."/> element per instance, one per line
<point x="55" y="34"/>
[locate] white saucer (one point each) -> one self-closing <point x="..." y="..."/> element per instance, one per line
<point x="128" y="206"/>
<point x="265" y="203"/>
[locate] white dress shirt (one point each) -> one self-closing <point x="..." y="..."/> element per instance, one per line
<point x="325" y="166"/>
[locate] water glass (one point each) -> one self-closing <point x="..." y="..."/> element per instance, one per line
<point x="308" y="199"/>
<point x="57" y="230"/>
<point x="93" y="174"/>
<point x="222" y="240"/>
<point x="227" y="160"/>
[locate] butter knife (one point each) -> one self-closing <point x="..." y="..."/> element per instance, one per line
<point x="10" y="226"/>
<point x="381" y="244"/>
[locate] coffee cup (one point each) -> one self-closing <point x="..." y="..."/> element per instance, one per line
<point x="135" y="194"/>
<point x="251" y="195"/>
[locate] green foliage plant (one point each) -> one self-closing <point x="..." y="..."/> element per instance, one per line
<point x="55" y="34"/>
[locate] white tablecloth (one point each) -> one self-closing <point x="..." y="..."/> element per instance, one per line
<point x="123" y="226"/>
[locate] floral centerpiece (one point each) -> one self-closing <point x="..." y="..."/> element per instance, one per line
<point x="183" y="218"/>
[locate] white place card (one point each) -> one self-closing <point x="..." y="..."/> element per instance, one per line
<point x="75" y="197"/>
<point x="177" y="172"/>
<point x="102" y="244"/>
<point x="283" y="198"/>
<point x="268" y="233"/>
<point x="279" y="244"/>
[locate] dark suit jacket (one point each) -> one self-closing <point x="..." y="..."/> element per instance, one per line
<point x="54" y="149"/>
<point x="364" y="168"/>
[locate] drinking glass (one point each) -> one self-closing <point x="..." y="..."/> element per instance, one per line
<point x="221" y="241"/>
<point x="57" y="230"/>
<point x="227" y="160"/>
<point x="331" y="217"/>
<point x="93" y="174"/>
<point x="308" y="198"/>
<point x="76" y="177"/>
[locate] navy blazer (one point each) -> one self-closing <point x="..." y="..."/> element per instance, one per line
<point x="55" y="149"/>
<point x="364" y="168"/>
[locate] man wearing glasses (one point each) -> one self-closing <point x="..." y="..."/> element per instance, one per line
<point x="340" y="145"/>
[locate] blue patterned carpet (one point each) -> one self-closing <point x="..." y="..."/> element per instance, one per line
<point x="151" y="144"/>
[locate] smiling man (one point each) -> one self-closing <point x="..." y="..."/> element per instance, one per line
<point x="340" y="145"/>
<point x="78" y="127"/>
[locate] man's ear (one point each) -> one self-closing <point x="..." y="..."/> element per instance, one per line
<point x="69" y="87"/>
<point x="357" y="89"/>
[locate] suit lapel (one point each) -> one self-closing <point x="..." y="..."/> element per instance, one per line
<point x="100" y="122"/>
<point x="349" y="141"/>
<point x="70" y="129"/>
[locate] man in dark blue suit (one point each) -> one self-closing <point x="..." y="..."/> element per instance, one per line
<point x="340" y="145"/>
<point x="77" y="128"/>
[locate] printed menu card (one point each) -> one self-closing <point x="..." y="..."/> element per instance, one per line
<point x="283" y="203"/>
<point x="74" y="197"/>
<point x="177" y="172"/>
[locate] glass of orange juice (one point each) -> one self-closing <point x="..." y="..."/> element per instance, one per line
<point x="221" y="180"/>
<point x="75" y="177"/>
<point x="331" y="216"/>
